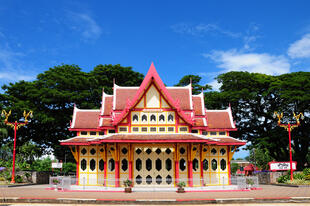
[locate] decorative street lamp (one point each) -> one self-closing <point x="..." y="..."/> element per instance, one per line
<point x="16" y="125"/>
<point x="289" y="127"/>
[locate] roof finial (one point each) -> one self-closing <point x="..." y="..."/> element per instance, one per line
<point x="113" y="81"/>
<point x="190" y="81"/>
<point x="229" y="105"/>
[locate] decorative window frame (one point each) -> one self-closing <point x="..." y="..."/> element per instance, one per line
<point x="187" y="131"/>
<point x="119" y="129"/>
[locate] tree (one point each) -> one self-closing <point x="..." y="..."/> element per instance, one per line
<point x="260" y="158"/>
<point x="52" y="96"/>
<point x="233" y="168"/>
<point x="254" y="97"/>
<point x="195" y="79"/>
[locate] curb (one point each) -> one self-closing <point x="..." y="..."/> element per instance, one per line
<point x="287" y="185"/>
<point x="19" y="185"/>
<point x="155" y="201"/>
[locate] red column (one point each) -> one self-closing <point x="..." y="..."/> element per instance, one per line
<point x="105" y="165"/>
<point x="130" y="155"/>
<point x="177" y="176"/>
<point x="14" y="151"/>
<point x="201" y="164"/>
<point x="190" y="173"/>
<point x="201" y="172"/>
<point x="228" y="164"/>
<point x="117" y="173"/>
<point x="130" y="170"/>
<point x="105" y="173"/>
<point x="78" y="165"/>
<point x="289" y="136"/>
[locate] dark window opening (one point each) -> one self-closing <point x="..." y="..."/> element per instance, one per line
<point x="182" y="164"/>
<point x="195" y="131"/>
<point x="92" y="165"/>
<point x="144" y="118"/>
<point x="214" y="164"/>
<point x="111" y="164"/>
<point x="195" y="164"/>
<point x="205" y="164"/>
<point x="124" y="164"/>
<point x="161" y="118"/>
<point x="101" y="165"/>
<point x="223" y="164"/>
<point x="83" y="164"/>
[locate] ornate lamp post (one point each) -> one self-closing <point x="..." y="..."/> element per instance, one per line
<point x="16" y="125"/>
<point x="289" y="127"/>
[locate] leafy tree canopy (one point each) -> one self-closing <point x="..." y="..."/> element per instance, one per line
<point x="51" y="98"/>
<point x="195" y="79"/>
<point x="254" y="97"/>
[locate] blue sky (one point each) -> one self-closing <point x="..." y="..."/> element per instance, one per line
<point x="180" y="37"/>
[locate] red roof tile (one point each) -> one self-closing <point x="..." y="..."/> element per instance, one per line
<point x="228" y="140"/>
<point x="106" y="122"/>
<point x="199" y="122"/>
<point x="153" y="138"/>
<point x="86" y="119"/>
<point x="197" y="105"/>
<point x="218" y="120"/>
<point x="183" y="95"/>
<point x="122" y="95"/>
<point x="108" y="105"/>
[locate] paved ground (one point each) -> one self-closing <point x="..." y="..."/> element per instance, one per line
<point x="267" y="195"/>
<point x="267" y="191"/>
<point x="273" y="204"/>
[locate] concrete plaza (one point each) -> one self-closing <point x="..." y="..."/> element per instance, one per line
<point x="267" y="193"/>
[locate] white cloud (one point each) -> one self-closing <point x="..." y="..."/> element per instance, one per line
<point x="12" y="68"/>
<point x="202" y="30"/>
<point x="85" y="25"/>
<point x="265" y="63"/>
<point x="300" y="48"/>
<point x="250" y="37"/>
<point x="215" y="85"/>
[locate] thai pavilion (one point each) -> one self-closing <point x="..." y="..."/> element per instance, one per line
<point x="153" y="135"/>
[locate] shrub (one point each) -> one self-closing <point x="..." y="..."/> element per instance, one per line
<point x="18" y="179"/>
<point x="283" y="178"/>
<point x="181" y="184"/>
<point x="2" y="179"/>
<point x="299" y="176"/>
<point x="306" y="171"/>
<point x="127" y="183"/>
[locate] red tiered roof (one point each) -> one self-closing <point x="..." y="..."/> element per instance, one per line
<point x="190" y="108"/>
<point x="152" y="138"/>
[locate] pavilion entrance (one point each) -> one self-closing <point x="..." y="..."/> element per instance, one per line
<point x="153" y="165"/>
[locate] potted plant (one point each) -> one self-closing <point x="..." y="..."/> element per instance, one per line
<point x="55" y="183"/>
<point x="249" y="183"/>
<point x="181" y="186"/>
<point x="128" y="184"/>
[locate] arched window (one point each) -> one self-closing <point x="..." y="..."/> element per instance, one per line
<point x="170" y="118"/>
<point x="144" y="118"/>
<point x="153" y="118"/>
<point x="214" y="164"/>
<point x="111" y="164"/>
<point x="161" y="118"/>
<point x="223" y="164"/>
<point x="135" y="118"/>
